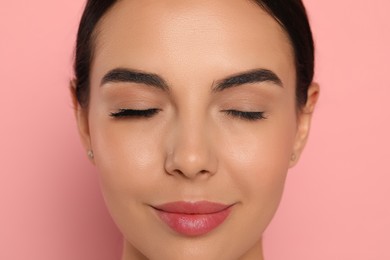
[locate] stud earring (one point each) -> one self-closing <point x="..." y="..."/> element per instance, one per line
<point x="293" y="157"/>
<point x="90" y="154"/>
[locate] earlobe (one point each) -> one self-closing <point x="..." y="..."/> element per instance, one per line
<point x="81" y="115"/>
<point x="304" y="121"/>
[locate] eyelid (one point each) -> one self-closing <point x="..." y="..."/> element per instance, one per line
<point x="246" y="115"/>
<point x="135" y="113"/>
<point x="147" y="113"/>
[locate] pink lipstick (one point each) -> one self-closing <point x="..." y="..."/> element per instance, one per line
<point x="193" y="218"/>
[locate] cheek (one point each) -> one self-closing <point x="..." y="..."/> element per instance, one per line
<point x="126" y="157"/>
<point x="258" y="160"/>
<point x="256" y="163"/>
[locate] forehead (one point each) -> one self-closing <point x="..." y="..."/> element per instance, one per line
<point x="156" y="35"/>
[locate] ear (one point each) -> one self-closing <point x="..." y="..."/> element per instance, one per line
<point x="304" y="121"/>
<point x="81" y="114"/>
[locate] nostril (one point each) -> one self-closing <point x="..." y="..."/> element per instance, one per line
<point x="189" y="158"/>
<point x="203" y="171"/>
<point x="187" y="174"/>
<point x="175" y="172"/>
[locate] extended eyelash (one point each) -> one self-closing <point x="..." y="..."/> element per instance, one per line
<point x="135" y="113"/>
<point x="250" y="116"/>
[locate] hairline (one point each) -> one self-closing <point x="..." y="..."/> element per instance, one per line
<point x="97" y="30"/>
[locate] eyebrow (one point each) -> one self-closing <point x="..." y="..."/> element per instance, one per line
<point x="154" y="80"/>
<point x="251" y="76"/>
<point x="135" y="76"/>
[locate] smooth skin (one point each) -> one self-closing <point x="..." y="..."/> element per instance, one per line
<point x="193" y="148"/>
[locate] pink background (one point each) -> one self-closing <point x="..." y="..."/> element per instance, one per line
<point x="337" y="200"/>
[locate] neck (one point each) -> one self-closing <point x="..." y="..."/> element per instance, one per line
<point x="131" y="253"/>
<point x="255" y="253"/>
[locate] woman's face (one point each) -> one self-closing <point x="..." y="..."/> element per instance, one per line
<point x="216" y="122"/>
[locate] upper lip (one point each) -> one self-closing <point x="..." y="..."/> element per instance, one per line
<point x="198" y="207"/>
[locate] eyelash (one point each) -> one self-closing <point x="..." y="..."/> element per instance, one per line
<point x="249" y="116"/>
<point x="147" y="113"/>
<point x="135" y="113"/>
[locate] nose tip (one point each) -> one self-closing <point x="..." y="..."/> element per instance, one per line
<point x="191" y="157"/>
<point x="188" y="166"/>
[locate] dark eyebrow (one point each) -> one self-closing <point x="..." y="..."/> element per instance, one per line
<point x="154" y="80"/>
<point x="252" y="76"/>
<point x="130" y="75"/>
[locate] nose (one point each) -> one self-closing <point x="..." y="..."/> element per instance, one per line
<point x="190" y="153"/>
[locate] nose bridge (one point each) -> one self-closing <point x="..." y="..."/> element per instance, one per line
<point x="191" y="151"/>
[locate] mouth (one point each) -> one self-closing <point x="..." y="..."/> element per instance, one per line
<point x="193" y="218"/>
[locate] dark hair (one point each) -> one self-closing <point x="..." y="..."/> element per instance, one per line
<point x="290" y="14"/>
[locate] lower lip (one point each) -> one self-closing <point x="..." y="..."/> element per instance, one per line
<point x="193" y="224"/>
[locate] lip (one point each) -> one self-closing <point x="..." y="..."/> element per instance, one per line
<point x="193" y="218"/>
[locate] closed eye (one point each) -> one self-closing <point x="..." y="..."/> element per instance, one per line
<point x="246" y="115"/>
<point x="147" y="113"/>
<point x="135" y="113"/>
